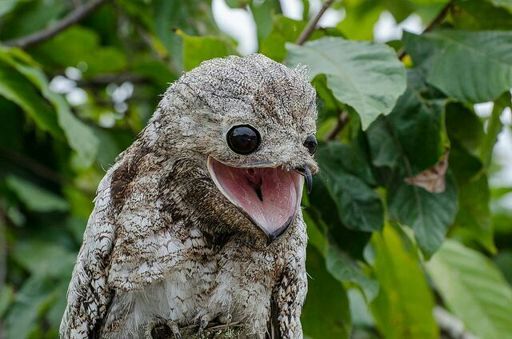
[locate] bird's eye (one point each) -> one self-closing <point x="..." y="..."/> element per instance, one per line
<point x="243" y="139"/>
<point x="310" y="143"/>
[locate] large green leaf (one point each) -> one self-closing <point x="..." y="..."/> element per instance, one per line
<point x="487" y="68"/>
<point x="408" y="141"/>
<point x="404" y="306"/>
<point x="364" y="75"/>
<point x="325" y="315"/>
<point x="413" y="137"/>
<point x="359" y="206"/>
<point x="428" y="214"/>
<point x="473" y="289"/>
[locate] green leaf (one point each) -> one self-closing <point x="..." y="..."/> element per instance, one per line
<point x="408" y="141"/>
<point x="345" y="269"/>
<point x="473" y="289"/>
<point x="325" y="315"/>
<point x="6" y="297"/>
<point x="487" y="55"/>
<point x="507" y="4"/>
<point x="404" y="306"/>
<point x="464" y="127"/>
<point x="197" y="49"/>
<point x="494" y="128"/>
<point x="79" y="45"/>
<point x="7" y="5"/>
<point x="428" y="214"/>
<point x="34" y="197"/>
<point x="359" y="206"/>
<point x="360" y="18"/>
<point x="263" y="13"/>
<point x="33" y="298"/>
<point x="364" y="75"/>
<point x="413" y="137"/>
<point x="79" y="136"/>
<point x="14" y="87"/>
<point x="504" y="262"/>
<point x="473" y="220"/>
<point x="480" y="15"/>
<point x="193" y="17"/>
<point x="44" y="259"/>
<point x="284" y="30"/>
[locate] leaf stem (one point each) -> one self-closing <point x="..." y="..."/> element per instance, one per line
<point x="343" y="119"/>
<point x="72" y="18"/>
<point x="310" y="27"/>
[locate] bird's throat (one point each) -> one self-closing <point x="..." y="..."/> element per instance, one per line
<point x="269" y="197"/>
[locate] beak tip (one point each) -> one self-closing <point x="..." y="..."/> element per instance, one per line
<point x="308" y="177"/>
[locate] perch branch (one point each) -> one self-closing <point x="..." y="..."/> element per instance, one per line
<point x="72" y="18"/>
<point x="310" y="27"/>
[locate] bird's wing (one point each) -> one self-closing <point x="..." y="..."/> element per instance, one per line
<point x="129" y="242"/>
<point x="88" y="292"/>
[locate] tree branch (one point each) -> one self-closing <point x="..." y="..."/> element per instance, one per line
<point x="439" y="18"/>
<point x="72" y="18"/>
<point x="310" y="27"/>
<point x="343" y="119"/>
<point x="31" y="165"/>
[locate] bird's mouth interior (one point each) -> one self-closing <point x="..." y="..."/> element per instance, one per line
<point x="268" y="196"/>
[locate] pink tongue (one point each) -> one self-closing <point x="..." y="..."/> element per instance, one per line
<point x="269" y="196"/>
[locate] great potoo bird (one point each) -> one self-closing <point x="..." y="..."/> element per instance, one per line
<point x="198" y="226"/>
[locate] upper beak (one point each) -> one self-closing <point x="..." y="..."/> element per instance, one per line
<point x="308" y="177"/>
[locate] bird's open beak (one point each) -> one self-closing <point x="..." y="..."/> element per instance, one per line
<point x="270" y="197"/>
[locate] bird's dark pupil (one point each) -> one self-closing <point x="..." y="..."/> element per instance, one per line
<point x="243" y="139"/>
<point x="311" y="144"/>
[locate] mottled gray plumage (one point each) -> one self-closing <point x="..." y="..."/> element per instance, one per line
<point x="164" y="249"/>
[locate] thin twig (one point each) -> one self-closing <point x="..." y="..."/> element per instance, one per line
<point x="439" y="18"/>
<point x="310" y="27"/>
<point x="72" y="18"/>
<point x="343" y="119"/>
<point x="31" y="165"/>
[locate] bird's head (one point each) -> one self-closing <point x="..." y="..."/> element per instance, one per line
<point x="252" y="121"/>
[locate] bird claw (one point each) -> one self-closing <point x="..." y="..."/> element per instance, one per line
<point x="175" y="330"/>
<point x="203" y="324"/>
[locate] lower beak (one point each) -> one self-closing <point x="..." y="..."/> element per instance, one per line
<point x="308" y="177"/>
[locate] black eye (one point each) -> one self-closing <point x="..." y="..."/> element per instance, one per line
<point x="243" y="139"/>
<point x="310" y="143"/>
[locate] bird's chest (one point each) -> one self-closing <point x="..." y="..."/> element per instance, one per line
<point x="223" y="288"/>
<point x="231" y="287"/>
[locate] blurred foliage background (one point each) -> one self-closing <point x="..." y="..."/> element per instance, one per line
<point x="410" y="220"/>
